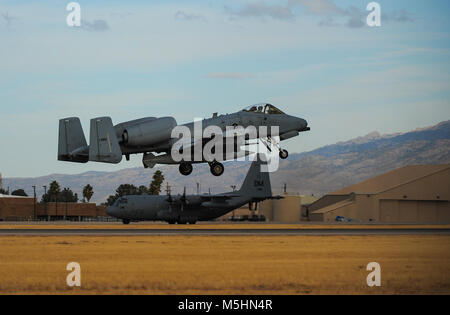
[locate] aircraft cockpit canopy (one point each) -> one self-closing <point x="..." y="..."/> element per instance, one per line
<point x="263" y="108"/>
<point x="122" y="201"/>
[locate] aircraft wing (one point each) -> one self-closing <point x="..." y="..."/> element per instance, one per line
<point x="217" y="198"/>
<point x="240" y="153"/>
<point x="276" y="197"/>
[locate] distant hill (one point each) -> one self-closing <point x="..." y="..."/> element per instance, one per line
<point x="316" y="172"/>
<point x="332" y="167"/>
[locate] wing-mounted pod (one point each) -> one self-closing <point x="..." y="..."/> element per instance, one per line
<point x="104" y="146"/>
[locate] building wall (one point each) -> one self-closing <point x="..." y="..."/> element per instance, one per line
<point x="415" y="211"/>
<point x="71" y="209"/>
<point x="432" y="187"/>
<point x="347" y="211"/>
<point x="18" y="209"/>
<point x="239" y="212"/>
<point x="326" y="201"/>
<point x="390" y="211"/>
<point x="366" y="208"/>
<point x="317" y="217"/>
<point x="266" y="209"/>
<point x="14" y="209"/>
<point x="287" y="209"/>
<point x="424" y="200"/>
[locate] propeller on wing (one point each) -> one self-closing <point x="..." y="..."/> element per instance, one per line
<point x="183" y="200"/>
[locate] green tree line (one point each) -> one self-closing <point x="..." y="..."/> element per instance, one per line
<point x="129" y="189"/>
<point x="57" y="194"/>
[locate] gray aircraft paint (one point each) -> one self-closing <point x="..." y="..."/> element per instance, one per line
<point x="256" y="187"/>
<point x="152" y="135"/>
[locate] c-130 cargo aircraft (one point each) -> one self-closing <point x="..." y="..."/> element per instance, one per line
<point x="108" y="143"/>
<point x="184" y="208"/>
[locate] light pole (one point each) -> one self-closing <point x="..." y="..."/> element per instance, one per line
<point x="55" y="196"/>
<point x="34" y="201"/>
<point x="233" y="187"/>
<point x="45" y="202"/>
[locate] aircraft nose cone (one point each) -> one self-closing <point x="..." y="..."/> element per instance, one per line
<point x="305" y="123"/>
<point x="111" y="211"/>
<point x="301" y="124"/>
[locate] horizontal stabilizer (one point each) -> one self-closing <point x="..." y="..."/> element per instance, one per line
<point x="72" y="146"/>
<point x="104" y="146"/>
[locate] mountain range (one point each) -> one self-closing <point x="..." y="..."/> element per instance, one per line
<point x="317" y="172"/>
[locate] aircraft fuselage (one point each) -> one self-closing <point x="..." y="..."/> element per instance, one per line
<point x="158" y="208"/>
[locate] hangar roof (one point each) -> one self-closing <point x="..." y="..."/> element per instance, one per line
<point x="392" y="179"/>
<point x="334" y="206"/>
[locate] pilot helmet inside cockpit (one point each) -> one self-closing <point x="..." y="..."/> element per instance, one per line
<point x="263" y="108"/>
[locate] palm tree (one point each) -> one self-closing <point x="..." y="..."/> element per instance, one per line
<point x="155" y="186"/>
<point x="88" y="191"/>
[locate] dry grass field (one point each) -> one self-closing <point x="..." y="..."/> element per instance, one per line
<point x="225" y="264"/>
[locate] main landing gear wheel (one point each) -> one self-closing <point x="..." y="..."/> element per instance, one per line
<point x="283" y="154"/>
<point x="216" y="168"/>
<point x="185" y="168"/>
<point x="126" y="221"/>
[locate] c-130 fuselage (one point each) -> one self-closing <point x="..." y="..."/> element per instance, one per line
<point x="191" y="208"/>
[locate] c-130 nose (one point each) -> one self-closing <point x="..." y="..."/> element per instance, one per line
<point x="112" y="211"/>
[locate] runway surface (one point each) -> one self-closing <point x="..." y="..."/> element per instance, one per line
<point x="237" y="231"/>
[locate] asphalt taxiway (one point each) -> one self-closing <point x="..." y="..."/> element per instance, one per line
<point x="234" y="231"/>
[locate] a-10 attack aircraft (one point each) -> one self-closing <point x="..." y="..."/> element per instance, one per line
<point x="154" y="135"/>
<point x="184" y="208"/>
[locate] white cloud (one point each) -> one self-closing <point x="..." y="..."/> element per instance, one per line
<point x="94" y="26"/>
<point x="181" y="15"/>
<point x="320" y="7"/>
<point x="261" y="9"/>
<point x="354" y="16"/>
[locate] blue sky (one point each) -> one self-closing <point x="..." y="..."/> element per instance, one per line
<point x="312" y="58"/>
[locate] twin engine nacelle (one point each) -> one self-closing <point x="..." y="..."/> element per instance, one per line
<point x="146" y="132"/>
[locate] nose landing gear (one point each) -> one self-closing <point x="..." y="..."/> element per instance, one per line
<point x="283" y="154"/>
<point x="270" y="141"/>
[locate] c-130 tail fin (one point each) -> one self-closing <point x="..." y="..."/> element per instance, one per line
<point x="257" y="182"/>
